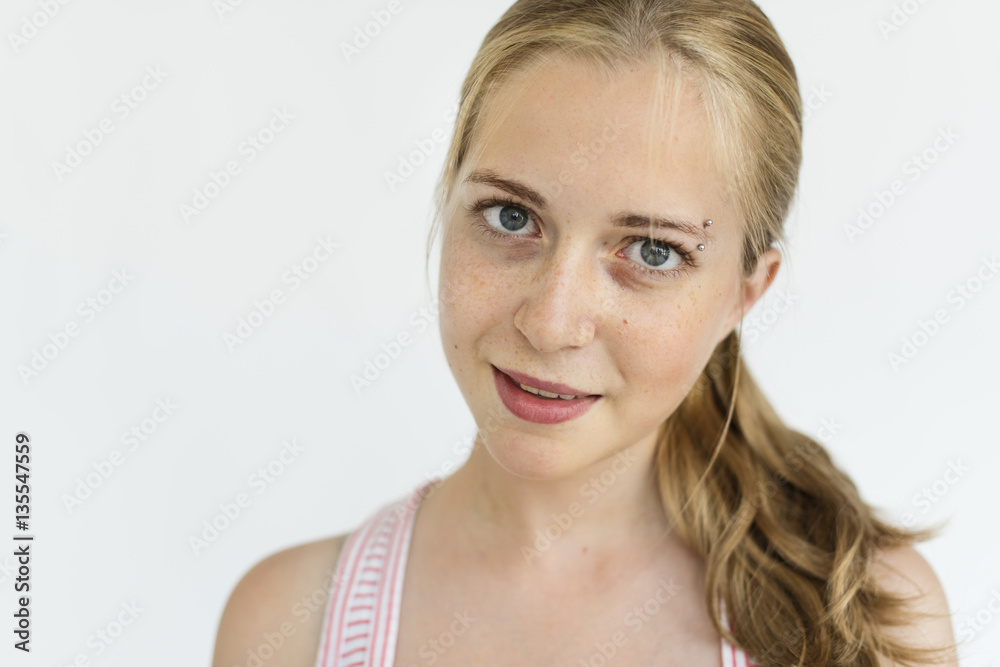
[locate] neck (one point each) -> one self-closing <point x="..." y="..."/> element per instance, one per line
<point x="611" y="506"/>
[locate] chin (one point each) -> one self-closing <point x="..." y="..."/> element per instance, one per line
<point x="532" y="457"/>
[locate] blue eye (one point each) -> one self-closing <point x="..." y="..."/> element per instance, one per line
<point x="511" y="218"/>
<point x="655" y="253"/>
<point x="501" y="218"/>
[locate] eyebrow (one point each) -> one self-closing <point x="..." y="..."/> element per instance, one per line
<point x="624" y="219"/>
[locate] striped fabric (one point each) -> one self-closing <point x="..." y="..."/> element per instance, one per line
<point x="362" y="612"/>
<point x="732" y="656"/>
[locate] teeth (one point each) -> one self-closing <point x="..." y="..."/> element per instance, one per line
<point x="547" y="394"/>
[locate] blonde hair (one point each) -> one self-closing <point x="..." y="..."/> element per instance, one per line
<point x="787" y="540"/>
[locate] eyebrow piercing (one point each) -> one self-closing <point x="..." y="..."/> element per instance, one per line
<point x="708" y="223"/>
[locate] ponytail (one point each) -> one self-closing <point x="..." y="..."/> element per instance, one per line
<point x="786" y="538"/>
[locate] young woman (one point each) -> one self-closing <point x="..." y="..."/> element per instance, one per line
<point x="617" y="182"/>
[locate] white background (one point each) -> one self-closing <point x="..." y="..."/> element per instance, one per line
<point x="899" y="430"/>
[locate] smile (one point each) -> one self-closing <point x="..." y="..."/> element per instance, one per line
<point x="546" y="394"/>
<point x="538" y="405"/>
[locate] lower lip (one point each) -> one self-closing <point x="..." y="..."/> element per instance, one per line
<point x="537" y="409"/>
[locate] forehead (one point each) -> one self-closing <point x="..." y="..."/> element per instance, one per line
<point x="566" y="127"/>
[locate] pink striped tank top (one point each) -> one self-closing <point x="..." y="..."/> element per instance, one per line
<point x="362" y="612"/>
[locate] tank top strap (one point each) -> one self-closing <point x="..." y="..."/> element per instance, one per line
<point x="361" y="618"/>
<point x="731" y="655"/>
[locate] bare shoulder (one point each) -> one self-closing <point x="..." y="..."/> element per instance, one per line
<point x="905" y="572"/>
<point x="277" y="607"/>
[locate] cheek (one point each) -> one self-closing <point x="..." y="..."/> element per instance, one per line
<point x="662" y="350"/>
<point x="470" y="293"/>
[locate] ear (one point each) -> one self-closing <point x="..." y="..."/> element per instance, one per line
<point x="754" y="287"/>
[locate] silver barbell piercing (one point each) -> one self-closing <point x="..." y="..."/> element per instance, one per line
<point x="701" y="246"/>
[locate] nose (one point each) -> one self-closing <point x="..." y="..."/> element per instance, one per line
<point x="559" y="307"/>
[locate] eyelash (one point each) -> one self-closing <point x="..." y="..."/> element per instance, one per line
<point x="688" y="261"/>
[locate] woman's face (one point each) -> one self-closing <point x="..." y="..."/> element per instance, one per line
<point x="554" y="286"/>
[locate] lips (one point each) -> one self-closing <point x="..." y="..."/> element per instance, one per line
<point x="538" y="409"/>
<point x="552" y="387"/>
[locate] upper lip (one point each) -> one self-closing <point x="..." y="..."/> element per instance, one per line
<point x="552" y="387"/>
